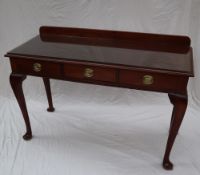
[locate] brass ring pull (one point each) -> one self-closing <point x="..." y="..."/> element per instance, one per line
<point x="148" y="79"/>
<point x="88" y="72"/>
<point x="37" y="67"/>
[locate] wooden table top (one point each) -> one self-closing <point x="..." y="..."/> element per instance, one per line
<point x="175" y="56"/>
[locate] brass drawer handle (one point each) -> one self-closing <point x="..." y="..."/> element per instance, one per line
<point x="148" y="79"/>
<point x="37" y="67"/>
<point x="88" y="72"/>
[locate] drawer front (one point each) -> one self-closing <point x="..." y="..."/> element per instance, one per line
<point x="89" y="72"/>
<point x="153" y="81"/>
<point x="35" y="67"/>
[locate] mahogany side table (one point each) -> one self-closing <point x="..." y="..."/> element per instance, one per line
<point x="152" y="62"/>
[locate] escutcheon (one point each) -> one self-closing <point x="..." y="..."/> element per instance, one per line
<point x="88" y="72"/>
<point x="148" y="79"/>
<point x="37" y="67"/>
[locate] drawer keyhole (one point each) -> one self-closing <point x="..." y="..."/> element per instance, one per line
<point x="37" y="67"/>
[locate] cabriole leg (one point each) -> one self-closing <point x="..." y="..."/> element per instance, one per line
<point x="180" y="105"/>
<point x="16" y="84"/>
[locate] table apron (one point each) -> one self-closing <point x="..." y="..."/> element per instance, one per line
<point x="101" y="75"/>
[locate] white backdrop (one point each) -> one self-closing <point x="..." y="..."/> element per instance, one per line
<point x="96" y="130"/>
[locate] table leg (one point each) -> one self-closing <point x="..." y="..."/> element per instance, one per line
<point x="16" y="84"/>
<point x="172" y="102"/>
<point x="48" y="92"/>
<point x="180" y="105"/>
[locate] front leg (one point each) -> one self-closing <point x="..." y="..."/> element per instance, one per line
<point x="180" y="105"/>
<point x="16" y="84"/>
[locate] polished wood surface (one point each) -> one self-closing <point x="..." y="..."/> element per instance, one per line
<point x="171" y="61"/>
<point x="97" y="73"/>
<point x="26" y="66"/>
<point x="153" y="62"/>
<point x="180" y="106"/>
<point x="16" y="84"/>
<point x="48" y="92"/>
<point x="122" y="39"/>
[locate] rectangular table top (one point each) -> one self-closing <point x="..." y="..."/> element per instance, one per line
<point x="81" y="49"/>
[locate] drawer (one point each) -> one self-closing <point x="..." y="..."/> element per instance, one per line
<point x="35" y="67"/>
<point x="153" y="81"/>
<point x="85" y="72"/>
